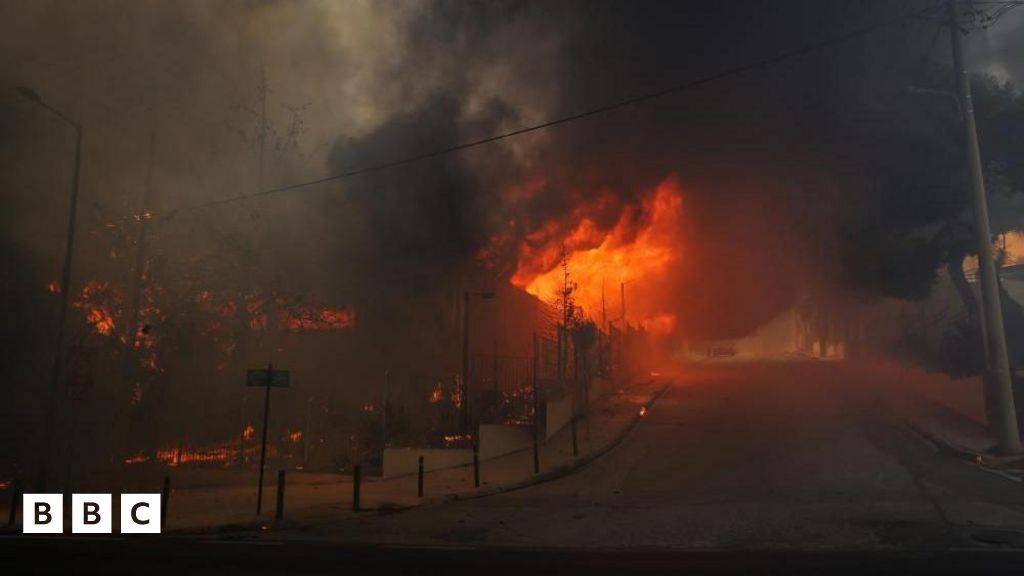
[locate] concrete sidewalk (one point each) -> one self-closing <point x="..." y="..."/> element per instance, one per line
<point x="949" y="415"/>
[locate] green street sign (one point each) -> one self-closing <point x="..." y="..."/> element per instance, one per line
<point x="258" y="377"/>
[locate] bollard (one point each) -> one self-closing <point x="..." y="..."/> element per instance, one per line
<point x="356" y="478"/>
<point x="476" y="466"/>
<point x="419" y="480"/>
<point x="280" y="495"/>
<point x="575" y="444"/>
<point x="15" y="498"/>
<point x="165" y="495"/>
<point x="536" y="455"/>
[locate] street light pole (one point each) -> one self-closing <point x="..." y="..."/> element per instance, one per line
<point x="65" y="289"/>
<point x="997" y="361"/>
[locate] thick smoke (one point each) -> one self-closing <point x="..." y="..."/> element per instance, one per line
<point x="818" y="175"/>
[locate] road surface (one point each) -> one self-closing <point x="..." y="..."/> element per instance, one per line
<point x="803" y="455"/>
<point x="800" y="461"/>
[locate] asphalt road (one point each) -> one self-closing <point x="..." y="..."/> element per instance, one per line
<point x="739" y="468"/>
<point x="738" y="456"/>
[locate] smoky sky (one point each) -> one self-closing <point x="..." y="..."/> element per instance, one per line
<point x="784" y="193"/>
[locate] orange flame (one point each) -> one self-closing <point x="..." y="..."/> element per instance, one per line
<point x="642" y="246"/>
<point x="437" y="394"/>
<point x="99" y="302"/>
<point x="101" y="321"/>
<point x="308" y="319"/>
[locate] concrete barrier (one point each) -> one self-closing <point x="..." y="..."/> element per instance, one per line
<point x="498" y="440"/>
<point x="558" y="415"/>
<point x="403" y="461"/>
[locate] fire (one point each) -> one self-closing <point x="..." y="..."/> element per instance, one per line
<point x="295" y="437"/>
<point x="102" y="321"/>
<point x="138" y="458"/>
<point x="640" y="247"/>
<point x="309" y="319"/>
<point x="437" y="394"/>
<point x="53" y="287"/>
<point x="99" y="301"/>
<point x="179" y="456"/>
<point x="248" y="432"/>
<point x="453" y="439"/>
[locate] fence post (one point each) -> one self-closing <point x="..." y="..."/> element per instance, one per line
<point x="575" y="444"/>
<point x="476" y="465"/>
<point x="419" y="480"/>
<point x="15" y="498"/>
<point x="536" y="407"/>
<point x="280" y="495"/>
<point x="165" y="495"/>
<point x="356" y="478"/>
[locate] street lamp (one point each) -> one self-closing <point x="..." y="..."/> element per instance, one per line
<point x="65" y="288"/>
<point x="484" y="295"/>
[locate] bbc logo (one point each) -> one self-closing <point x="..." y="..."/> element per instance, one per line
<point x="90" y="514"/>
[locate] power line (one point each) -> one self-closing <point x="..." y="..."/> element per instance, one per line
<point x="734" y="71"/>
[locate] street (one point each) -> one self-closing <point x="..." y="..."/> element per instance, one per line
<point x="781" y="458"/>
<point x="802" y="455"/>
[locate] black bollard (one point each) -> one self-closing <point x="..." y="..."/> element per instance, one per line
<point x="15" y="498"/>
<point x="356" y="478"/>
<point x="476" y="466"/>
<point x="165" y="495"/>
<point x="536" y="455"/>
<point x="575" y="444"/>
<point x="280" y="495"/>
<point x="419" y="480"/>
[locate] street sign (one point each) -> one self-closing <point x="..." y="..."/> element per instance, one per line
<point x="258" y="377"/>
<point x="267" y="378"/>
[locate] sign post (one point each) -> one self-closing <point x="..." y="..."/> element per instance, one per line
<point x="268" y="378"/>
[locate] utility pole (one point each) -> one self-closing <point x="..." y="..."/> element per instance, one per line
<point x="464" y="388"/>
<point x="129" y="364"/>
<point x="385" y="401"/>
<point x="53" y="394"/>
<point x="997" y="362"/>
<point x="604" y="310"/>
<point x="622" y="301"/>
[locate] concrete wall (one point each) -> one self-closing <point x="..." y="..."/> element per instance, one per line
<point x="559" y="414"/>
<point x="402" y="461"/>
<point x="497" y="440"/>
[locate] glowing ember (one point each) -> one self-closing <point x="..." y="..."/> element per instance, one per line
<point x="99" y="302"/>
<point x="136" y="459"/>
<point x="53" y="287"/>
<point x="248" y="432"/>
<point x="642" y="246"/>
<point x="437" y="394"/>
<point x="453" y="439"/>
<point x="643" y="411"/>
<point x="295" y="437"/>
<point x="306" y="319"/>
<point x="101" y="321"/>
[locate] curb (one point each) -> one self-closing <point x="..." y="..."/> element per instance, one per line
<point x="239" y="528"/>
<point x="552" y="474"/>
<point x="977" y="459"/>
